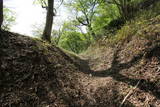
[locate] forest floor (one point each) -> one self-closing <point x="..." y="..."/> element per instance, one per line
<point x="127" y="74"/>
<point x="114" y="76"/>
<point x="34" y="73"/>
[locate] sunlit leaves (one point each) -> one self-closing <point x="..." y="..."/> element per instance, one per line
<point x="73" y="41"/>
<point x="41" y="2"/>
<point x="9" y="19"/>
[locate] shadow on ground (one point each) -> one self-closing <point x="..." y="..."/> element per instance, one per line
<point x="117" y="67"/>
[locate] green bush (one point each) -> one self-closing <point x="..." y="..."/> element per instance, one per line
<point x="73" y="41"/>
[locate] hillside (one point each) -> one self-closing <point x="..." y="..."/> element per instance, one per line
<point x="34" y="73"/>
<point x="132" y="62"/>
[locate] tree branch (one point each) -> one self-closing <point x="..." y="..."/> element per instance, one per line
<point x="80" y="21"/>
<point x="130" y="92"/>
<point x="44" y="4"/>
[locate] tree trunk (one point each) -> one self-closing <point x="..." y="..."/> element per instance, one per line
<point x="1" y="13"/>
<point x="49" y="21"/>
<point x="91" y="32"/>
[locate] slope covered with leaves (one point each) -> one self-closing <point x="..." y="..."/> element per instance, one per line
<point x="36" y="74"/>
<point x="133" y="61"/>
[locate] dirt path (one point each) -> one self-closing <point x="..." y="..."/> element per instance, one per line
<point x="111" y="79"/>
<point x="101" y="90"/>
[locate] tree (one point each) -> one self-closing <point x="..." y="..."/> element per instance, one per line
<point x="49" y="21"/>
<point x="56" y="36"/>
<point x="126" y="8"/>
<point x="85" y="11"/>
<point x="71" y="38"/>
<point x="105" y="14"/>
<point x="37" y="30"/>
<point x="1" y="13"/>
<point x="9" y="18"/>
<point x="72" y="41"/>
<point x="51" y="12"/>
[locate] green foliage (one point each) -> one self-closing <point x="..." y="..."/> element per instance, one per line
<point x="108" y="19"/>
<point x="67" y="37"/>
<point x="106" y="13"/>
<point x="105" y="20"/>
<point x="150" y="12"/>
<point x="71" y="37"/>
<point x="81" y="5"/>
<point x="41" y="2"/>
<point x="9" y="19"/>
<point x="56" y="36"/>
<point x="139" y="26"/>
<point x="70" y="26"/>
<point x="73" y="41"/>
<point x="150" y="29"/>
<point x="84" y="11"/>
<point x="37" y="30"/>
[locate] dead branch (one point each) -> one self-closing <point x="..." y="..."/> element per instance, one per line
<point x="130" y="92"/>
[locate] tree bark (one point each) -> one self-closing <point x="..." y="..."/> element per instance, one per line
<point x="49" y="21"/>
<point x="1" y="13"/>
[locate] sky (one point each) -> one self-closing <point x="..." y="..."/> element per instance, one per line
<point x="29" y="14"/>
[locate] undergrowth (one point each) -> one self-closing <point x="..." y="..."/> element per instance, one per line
<point x="144" y="25"/>
<point x="136" y="26"/>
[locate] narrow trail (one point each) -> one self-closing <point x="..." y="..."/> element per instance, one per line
<point x="97" y="78"/>
<point x="100" y="84"/>
<point x="111" y="78"/>
<point x="101" y="77"/>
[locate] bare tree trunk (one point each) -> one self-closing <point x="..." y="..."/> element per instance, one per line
<point x="1" y="13"/>
<point x="49" y="21"/>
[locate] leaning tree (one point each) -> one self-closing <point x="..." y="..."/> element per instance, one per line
<point x="1" y="12"/>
